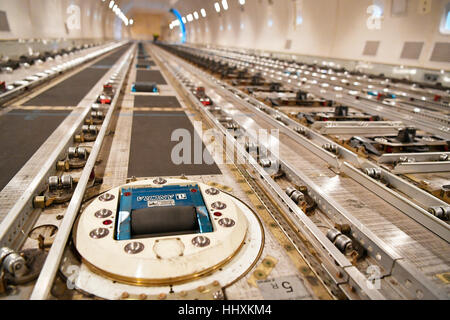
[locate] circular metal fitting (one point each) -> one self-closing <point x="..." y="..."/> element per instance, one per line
<point x="106" y="197"/>
<point x="201" y="241"/>
<point x="99" y="233"/>
<point x="331" y="148"/>
<point x="5" y="251"/>
<point x="290" y="190"/>
<point x="93" y="130"/>
<point x="85" y="129"/>
<point x="373" y="172"/>
<point x="160" y="181"/>
<point x="297" y="196"/>
<point x="67" y="182"/>
<point x="227" y="222"/>
<point x="103" y="213"/>
<point x="300" y="130"/>
<point x="218" y="205"/>
<point x="332" y="234"/>
<point x="265" y="163"/>
<point x="344" y="243"/>
<point x="134" y="248"/>
<point x="442" y="213"/>
<point x="212" y="191"/>
<point x="53" y="182"/>
<point x="251" y="147"/>
<point x="72" y="152"/>
<point x="81" y="153"/>
<point x="14" y="263"/>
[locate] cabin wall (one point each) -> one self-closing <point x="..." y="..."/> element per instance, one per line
<point x="333" y="29"/>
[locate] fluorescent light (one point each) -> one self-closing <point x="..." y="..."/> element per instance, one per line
<point x="217" y="6"/>
<point x="189" y="17"/>
<point x="196" y="15"/>
<point x="131" y="21"/>
<point x="203" y="12"/>
<point x="225" y="4"/>
<point x="241" y="2"/>
<point x="111" y="4"/>
<point x="184" y="20"/>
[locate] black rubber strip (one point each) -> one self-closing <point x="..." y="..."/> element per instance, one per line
<point x="72" y="90"/>
<point x="151" y="146"/>
<point x="156" y="102"/>
<point x="146" y="62"/>
<point x="150" y="76"/>
<point x="23" y="132"/>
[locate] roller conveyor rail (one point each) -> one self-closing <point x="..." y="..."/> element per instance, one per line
<point x="346" y="167"/>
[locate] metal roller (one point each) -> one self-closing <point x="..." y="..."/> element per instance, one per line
<point x="297" y="197"/>
<point x="290" y="190"/>
<point x="332" y="234"/>
<point x="97" y="115"/>
<point x="344" y="243"/>
<point x="300" y="130"/>
<point x="12" y="262"/>
<point x="67" y="181"/>
<point x="82" y="153"/>
<point x="85" y="129"/>
<point x="93" y="130"/>
<point x="72" y="152"/>
<point x="251" y="147"/>
<point x="225" y="119"/>
<point x="442" y="213"/>
<point x="53" y="182"/>
<point x="265" y="163"/>
<point x="374" y="173"/>
<point x="15" y="264"/>
<point x="331" y="148"/>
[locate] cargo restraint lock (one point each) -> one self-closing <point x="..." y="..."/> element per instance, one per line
<point x="157" y="233"/>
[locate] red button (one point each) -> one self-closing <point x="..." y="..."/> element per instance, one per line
<point x="107" y="222"/>
<point x="218" y="214"/>
<point x="127" y="194"/>
<point x="193" y="190"/>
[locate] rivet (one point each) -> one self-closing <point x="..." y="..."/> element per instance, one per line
<point x="125" y="295"/>
<point x="162" y="296"/>
<point x="143" y="296"/>
<point x="183" y="293"/>
<point x="216" y="283"/>
<point x="201" y="289"/>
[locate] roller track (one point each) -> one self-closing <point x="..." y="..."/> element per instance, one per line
<point x="378" y="221"/>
